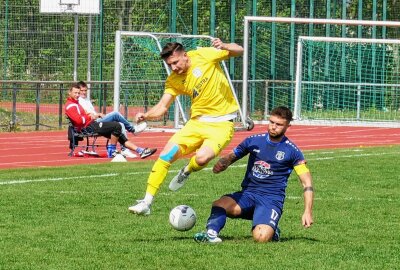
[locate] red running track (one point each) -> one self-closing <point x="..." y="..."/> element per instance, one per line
<point x="46" y="149"/>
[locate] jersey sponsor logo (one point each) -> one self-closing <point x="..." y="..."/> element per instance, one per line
<point x="197" y="72"/>
<point x="261" y="169"/>
<point x="280" y="155"/>
<point x="198" y="88"/>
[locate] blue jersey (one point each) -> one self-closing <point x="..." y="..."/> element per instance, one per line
<point x="269" y="165"/>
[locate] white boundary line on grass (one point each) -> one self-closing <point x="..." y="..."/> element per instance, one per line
<point x="22" y="181"/>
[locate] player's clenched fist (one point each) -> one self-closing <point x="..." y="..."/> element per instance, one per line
<point x="140" y="117"/>
<point x="217" y="43"/>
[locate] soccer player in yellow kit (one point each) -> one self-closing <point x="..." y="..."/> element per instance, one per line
<point x="198" y="74"/>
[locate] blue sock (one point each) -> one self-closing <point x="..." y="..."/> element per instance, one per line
<point x="217" y="219"/>
<point x="139" y="150"/>
<point x="111" y="149"/>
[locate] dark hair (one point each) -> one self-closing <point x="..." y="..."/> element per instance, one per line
<point x="74" y="85"/>
<point x="283" y="112"/>
<point x="170" y="48"/>
<point x="81" y="84"/>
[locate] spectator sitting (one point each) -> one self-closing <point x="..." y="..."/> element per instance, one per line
<point x="112" y="130"/>
<point x="87" y="105"/>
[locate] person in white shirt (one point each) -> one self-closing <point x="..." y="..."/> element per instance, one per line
<point x="85" y="102"/>
<point x="87" y="105"/>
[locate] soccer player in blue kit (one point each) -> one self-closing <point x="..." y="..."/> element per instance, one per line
<point x="272" y="159"/>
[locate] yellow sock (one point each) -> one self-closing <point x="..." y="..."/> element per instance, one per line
<point x="157" y="176"/>
<point x="193" y="166"/>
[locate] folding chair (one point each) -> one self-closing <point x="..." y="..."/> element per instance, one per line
<point x="85" y="134"/>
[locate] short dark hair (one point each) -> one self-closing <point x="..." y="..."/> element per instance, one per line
<point x="170" y="48"/>
<point x="283" y="112"/>
<point x="81" y="84"/>
<point x="74" y="85"/>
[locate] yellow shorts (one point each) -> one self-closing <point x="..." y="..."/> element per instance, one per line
<point x="196" y="134"/>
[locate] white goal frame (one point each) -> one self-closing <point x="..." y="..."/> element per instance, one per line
<point x="298" y="84"/>
<point x="289" y="20"/>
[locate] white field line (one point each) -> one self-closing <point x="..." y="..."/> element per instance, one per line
<point x="24" y="181"/>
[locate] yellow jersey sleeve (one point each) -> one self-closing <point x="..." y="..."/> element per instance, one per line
<point x="205" y="82"/>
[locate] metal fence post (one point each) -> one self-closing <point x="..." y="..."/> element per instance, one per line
<point x="125" y="102"/>
<point x="60" y="104"/>
<point x="37" y="106"/>
<point x="13" y="122"/>
<point x="266" y="104"/>
<point x="105" y="99"/>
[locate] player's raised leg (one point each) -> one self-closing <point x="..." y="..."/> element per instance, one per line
<point x="157" y="176"/>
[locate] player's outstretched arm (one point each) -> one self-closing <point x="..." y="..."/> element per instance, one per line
<point x="224" y="162"/>
<point x="233" y="48"/>
<point x="308" y="193"/>
<point x="157" y="111"/>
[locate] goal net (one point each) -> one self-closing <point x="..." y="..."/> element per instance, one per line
<point x="140" y="74"/>
<point x="348" y="79"/>
<point x="334" y="78"/>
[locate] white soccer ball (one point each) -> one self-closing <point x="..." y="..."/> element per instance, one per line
<point x="182" y="218"/>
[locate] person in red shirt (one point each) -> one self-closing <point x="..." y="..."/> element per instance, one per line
<point x="111" y="130"/>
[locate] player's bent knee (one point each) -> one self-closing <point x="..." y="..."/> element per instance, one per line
<point x="218" y="203"/>
<point x="263" y="233"/>
<point x="204" y="155"/>
<point x="203" y="160"/>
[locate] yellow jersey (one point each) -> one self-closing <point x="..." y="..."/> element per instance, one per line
<point x="205" y="82"/>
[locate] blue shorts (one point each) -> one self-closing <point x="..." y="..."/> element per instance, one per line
<point x="260" y="209"/>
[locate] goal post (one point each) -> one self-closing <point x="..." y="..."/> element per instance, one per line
<point x="140" y="73"/>
<point x="271" y="51"/>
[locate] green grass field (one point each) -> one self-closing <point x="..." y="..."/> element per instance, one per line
<point x="77" y="218"/>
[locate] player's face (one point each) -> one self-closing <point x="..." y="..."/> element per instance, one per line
<point x="74" y="93"/>
<point x="277" y="127"/>
<point x="83" y="92"/>
<point x="178" y="62"/>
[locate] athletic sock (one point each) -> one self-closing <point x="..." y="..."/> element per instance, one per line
<point x="139" y="150"/>
<point x="148" y="198"/>
<point x="211" y="233"/>
<point x="193" y="166"/>
<point x="111" y="148"/>
<point x="217" y="219"/>
<point x="157" y="176"/>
